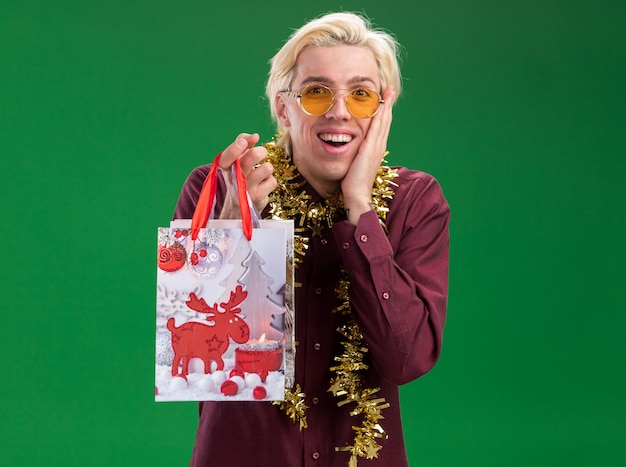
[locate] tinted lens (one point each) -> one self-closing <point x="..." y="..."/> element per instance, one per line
<point x="363" y="103"/>
<point x="316" y="100"/>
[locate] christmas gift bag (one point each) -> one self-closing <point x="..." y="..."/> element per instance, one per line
<point x="224" y="307"/>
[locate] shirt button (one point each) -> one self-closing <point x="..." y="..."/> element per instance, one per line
<point x="318" y="291"/>
<point x="317" y="346"/>
<point x="316" y="455"/>
<point x="315" y="400"/>
<point x="346" y="245"/>
<point x="324" y="241"/>
<point x="364" y="238"/>
<point x="386" y="295"/>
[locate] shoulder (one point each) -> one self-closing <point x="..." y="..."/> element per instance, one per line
<point x="191" y="189"/>
<point x="415" y="184"/>
<point x="418" y="201"/>
<point x="198" y="174"/>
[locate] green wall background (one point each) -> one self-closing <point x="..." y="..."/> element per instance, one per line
<point x="517" y="107"/>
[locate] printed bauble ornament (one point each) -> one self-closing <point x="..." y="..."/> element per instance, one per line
<point x="206" y="260"/>
<point x="259" y="393"/>
<point x="171" y="258"/>
<point x="229" y="388"/>
<point x="236" y="372"/>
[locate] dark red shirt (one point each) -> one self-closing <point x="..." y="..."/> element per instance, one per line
<point x="398" y="292"/>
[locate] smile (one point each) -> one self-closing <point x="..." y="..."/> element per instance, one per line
<point x="335" y="139"/>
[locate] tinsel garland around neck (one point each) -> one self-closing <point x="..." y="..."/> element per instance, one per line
<point x="290" y="201"/>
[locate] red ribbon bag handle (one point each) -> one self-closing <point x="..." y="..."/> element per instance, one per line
<point x="207" y="198"/>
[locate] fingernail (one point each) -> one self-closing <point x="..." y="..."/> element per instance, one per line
<point x="242" y="143"/>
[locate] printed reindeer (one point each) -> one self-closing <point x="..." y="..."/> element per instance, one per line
<point x="208" y="341"/>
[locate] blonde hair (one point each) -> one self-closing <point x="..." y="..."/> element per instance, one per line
<point x="329" y="30"/>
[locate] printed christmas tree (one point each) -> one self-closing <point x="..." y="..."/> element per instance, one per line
<point x="259" y="308"/>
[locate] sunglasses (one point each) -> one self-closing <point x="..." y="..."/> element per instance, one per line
<point x="317" y="99"/>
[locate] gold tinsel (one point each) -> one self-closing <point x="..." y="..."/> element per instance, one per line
<point x="290" y="201"/>
<point x="294" y="405"/>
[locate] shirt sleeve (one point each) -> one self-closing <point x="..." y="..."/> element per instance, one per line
<point x="399" y="279"/>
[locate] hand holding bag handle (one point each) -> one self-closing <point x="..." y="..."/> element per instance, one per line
<point x="207" y="198"/>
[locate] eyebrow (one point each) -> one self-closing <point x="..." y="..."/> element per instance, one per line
<point x="325" y="79"/>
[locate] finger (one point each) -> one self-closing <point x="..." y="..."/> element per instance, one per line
<point x="237" y="149"/>
<point x="259" y="174"/>
<point x="261" y="183"/>
<point x="252" y="159"/>
<point x="261" y="195"/>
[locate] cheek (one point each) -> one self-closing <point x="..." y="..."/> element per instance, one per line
<point x="304" y="128"/>
<point x="295" y="119"/>
<point x="299" y="123"/>
<point x="365" y="125"/>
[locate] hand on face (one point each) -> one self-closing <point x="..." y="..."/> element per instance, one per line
<point x="259" y="178"/>
<point x="357" y="184"/>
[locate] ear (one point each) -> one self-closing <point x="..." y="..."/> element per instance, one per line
<point x="282" y="110"/>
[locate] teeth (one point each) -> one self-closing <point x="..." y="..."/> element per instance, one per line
<point x="334" y="138"/>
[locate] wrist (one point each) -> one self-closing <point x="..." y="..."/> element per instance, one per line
<point x="356" y="207"/>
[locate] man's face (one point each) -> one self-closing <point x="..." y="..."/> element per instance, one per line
<point x="324" y="146"/>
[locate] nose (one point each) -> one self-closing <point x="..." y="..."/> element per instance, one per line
<point x="339" y="109"/>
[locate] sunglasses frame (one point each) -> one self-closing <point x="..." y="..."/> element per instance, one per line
<point x="333" y="93"/>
